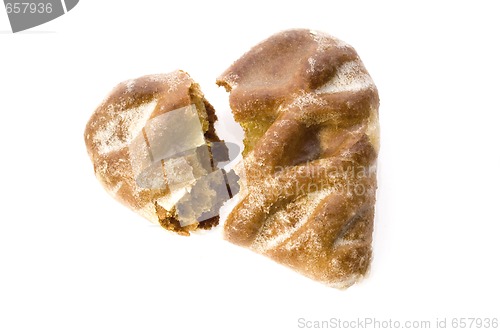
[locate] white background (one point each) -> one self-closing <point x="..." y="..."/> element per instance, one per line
<point x="72" y="259"/>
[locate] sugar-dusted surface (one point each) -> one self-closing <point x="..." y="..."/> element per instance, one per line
<point x="148" y="142"/>
<point x="350" y="77"/>
<point x="124" y="125"/>
<point x="311" y="127"/>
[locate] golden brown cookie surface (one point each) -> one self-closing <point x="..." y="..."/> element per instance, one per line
<point x="148" y="141"/>
<point x="309" y="110"/>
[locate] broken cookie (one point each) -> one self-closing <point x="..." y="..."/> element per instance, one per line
<point x="309" y="110"/>
<point x="151" y="144"/>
